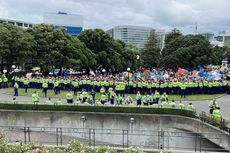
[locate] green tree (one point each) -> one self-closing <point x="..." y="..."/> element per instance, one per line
<point x="110" y="54"/>
<point x="175" y="33"/>
<point x="151" y="52"/>
<point x="16" y="45"/>
<point x="51" y="48"/>
<point x="220" y="52"/>
<point x="187" y="52"/>
<point x="81" y="56"/>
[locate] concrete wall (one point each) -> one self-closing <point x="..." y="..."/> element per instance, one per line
<point x="178" y="126"/>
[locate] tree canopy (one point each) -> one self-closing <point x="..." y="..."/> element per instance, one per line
<point x="48" y="47"/>
<point x="187" y="51"/>
<point x="151" y="52"/>
<point x="110" y="54"/>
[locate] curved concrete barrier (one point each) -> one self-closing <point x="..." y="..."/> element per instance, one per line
<point x="174" y="127"/>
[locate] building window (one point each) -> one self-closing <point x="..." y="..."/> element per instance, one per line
<point x="30" y="25"/>
<point x="19" y="24"/>
<point x="10" y="22"/>
<point x="25" y="25"/>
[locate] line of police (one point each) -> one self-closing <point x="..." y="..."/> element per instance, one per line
<point x="116" y="94"/>
<point x="155" y="100"/>
<point x="122" y="87"/>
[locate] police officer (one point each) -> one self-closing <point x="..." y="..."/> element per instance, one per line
<point x="164" y="97"/>
<point x="103" y="98"/>
<point x="144" y="100"/>
<point x="35" y="97"/>
<point x="5" y="80"/>
<point x="172" y="104"/>
<point x="45" y="87"/>
<point x="110" y="91"/>
<point x="164" y="104"/>
<point x="102" y="90"/>
<point x="216" y="112"/>
<point x="56" y="87"/>
<point x="157" y="95"/>
<point x="181" y="105"/>
<point x="75" y="87"/>
<point x="0" y="82"/>
<point x="112" y="98"/>
<point x="119" y="99"/>
<point x="191" y="107"/>
<point x="138" y="98"/>
<point x="69" y="97"/>
<point x="26" y="84"/>
<point x="183" y="90"/>
<point x="84" y="96"/>
<point x="213" y="104"/>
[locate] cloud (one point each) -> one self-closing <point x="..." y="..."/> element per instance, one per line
<point x="208" y="14"/>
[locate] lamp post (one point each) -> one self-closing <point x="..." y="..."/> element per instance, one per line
<point x="13" y="68"/>
<point x="128" y="70"/>
<point x="131" y="122"/>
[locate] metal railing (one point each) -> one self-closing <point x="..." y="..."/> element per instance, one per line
<point x="147" y="139"/>
<point x="220" y="123"/>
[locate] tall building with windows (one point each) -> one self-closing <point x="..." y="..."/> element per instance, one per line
<point x="208" y="36"/>
<point x="72" y="23"/>
<point x="17" y="23"/>
<point x="224" y="38"/>
<point x="136" y="35"/>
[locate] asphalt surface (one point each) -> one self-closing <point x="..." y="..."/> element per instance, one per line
<point x="224" y="102"/>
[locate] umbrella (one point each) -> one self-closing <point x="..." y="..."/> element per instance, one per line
<point x="181" y="72"/>
<point x="194" y="72"/>
<point x="146" y="71"/>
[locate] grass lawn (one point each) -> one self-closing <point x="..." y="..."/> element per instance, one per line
<point x="63" y="94"/>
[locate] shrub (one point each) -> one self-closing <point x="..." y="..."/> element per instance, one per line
<point x="108" y="109"/>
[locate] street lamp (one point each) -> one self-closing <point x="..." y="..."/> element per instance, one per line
<point x="83" y="119"/>
<point x="131" y="121"/>
<point x="13" y="68"/>
<point x="128" y="70"/>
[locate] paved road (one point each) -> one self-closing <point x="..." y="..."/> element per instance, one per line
<point x="224" y="102"/>
<point x="24" y="99"/>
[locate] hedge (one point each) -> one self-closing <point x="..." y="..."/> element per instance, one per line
<point x="107" y="109"/>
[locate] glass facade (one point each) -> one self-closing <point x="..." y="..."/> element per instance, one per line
<point x="135" y="35"/>
<point x="73" y="31"/>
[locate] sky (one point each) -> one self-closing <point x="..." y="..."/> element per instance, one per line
<point x="208" y="15"/>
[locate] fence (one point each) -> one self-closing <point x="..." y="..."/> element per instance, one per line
<point x="221" y="123"/>
<point x="168" y="140"/>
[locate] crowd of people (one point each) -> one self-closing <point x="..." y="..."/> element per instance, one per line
<point x="184" y="85"/>
<point x="116" y="89"/>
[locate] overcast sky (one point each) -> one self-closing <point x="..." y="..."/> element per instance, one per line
<point x="210" y="15"/>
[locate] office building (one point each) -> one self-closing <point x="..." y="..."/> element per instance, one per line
<point x="72" y="23"/>
<point x="136" y="35"/>
<point x="224" y="38"/>
<point x="208" y="36"/>
<point x="17" y="23"/>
